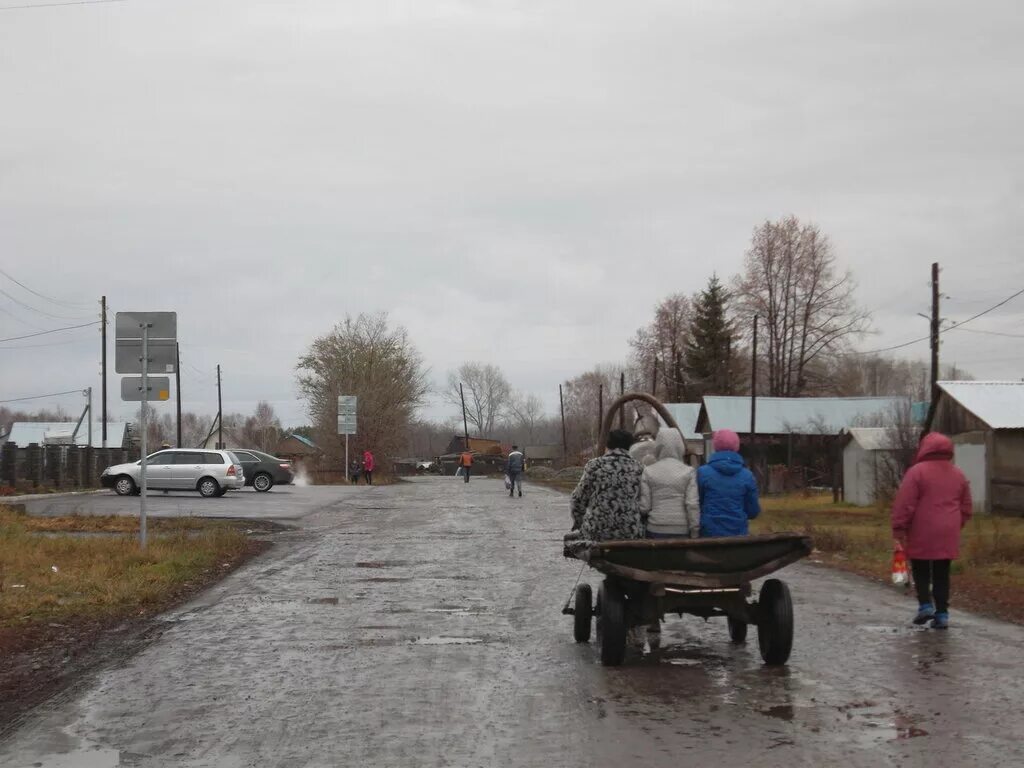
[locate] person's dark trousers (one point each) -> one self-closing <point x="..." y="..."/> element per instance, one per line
<point x="931" y="578"/>
<point x="515" y="479"/>
<point x="465" y="474"/>
<point x="369" y="476"/>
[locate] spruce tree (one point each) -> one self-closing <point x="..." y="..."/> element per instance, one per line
<point x="708" y="351"/>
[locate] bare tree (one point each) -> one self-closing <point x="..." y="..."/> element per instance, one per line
<point x="581" y="395"/>
<point x="526" y="416"/>
<point x="806" y="305"/>
<point x="487" y="393"/>
<point x="378" y="364"/>
<point x="659" y="348"/>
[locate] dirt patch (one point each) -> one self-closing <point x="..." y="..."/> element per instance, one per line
<point x="39" y="659"/>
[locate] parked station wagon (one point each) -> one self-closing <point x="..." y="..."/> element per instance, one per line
<point x="212" y="473"/>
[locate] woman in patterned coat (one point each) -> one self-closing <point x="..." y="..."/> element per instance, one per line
<point x="606" y="502"/>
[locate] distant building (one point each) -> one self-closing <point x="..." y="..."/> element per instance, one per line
<point x="687" y="415"/>
<point x="863" y="456"/>
<point x="985" y="420"/>
<point x="543" y="455"/>
<point x="781" y="416"/>
<point x="25" y="433"/>
<point x="295" y="448"/>
<point x="481" y="445"/>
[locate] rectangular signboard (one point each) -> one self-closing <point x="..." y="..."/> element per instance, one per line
<point x="162" y="325"/>
<point x="347" y="407"/>
<point x="159" y="388"/>
<point x="128" y="356"/>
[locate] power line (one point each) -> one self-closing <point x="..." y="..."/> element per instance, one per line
<point x="972" y="318"/>
<point x="58" y="5"/>
<point x="55" y="330"/>
<point x="992" y="333"/>
<point x="42" y="397"/>
<point x="68" y="304"/>
<point x="35" y="309"/>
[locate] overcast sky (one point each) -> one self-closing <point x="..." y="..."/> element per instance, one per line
<point x="515" y="182"/>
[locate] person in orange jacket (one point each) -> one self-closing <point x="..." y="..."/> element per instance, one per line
<point x="466" y="463"/>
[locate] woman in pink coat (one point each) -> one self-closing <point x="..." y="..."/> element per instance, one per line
<point x="369" y="464"/>
<point x="933" y="504"/>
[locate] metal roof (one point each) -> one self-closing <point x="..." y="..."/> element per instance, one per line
<point x="874" y="438"/>
<point x="798" y="415"/>
<point x="1000" y="404"/>
<point x="302" y="439"/>
<point x="686" y="415"/>
<point x="24" y="433"/>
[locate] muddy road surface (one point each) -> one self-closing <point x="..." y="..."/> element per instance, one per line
<point x="419" y="625"/>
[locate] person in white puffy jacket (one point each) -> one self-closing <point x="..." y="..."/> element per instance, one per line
<point x="668" y="491"/>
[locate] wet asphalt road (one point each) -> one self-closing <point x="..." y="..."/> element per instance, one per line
<point x="419" y="625"/>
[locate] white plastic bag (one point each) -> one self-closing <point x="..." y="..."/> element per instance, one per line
<point x="508" y="483"/>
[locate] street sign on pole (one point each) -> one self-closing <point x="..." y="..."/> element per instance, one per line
<point x="158" y="388"/>
<point x="347" y="405"/>
<point x="128" y="356"/>
<point x="145" y="342"/>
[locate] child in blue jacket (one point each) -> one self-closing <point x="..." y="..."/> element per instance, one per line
<point x="728" y="491"/>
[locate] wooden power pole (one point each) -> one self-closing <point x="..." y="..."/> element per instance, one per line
<point x="935" y="332"/>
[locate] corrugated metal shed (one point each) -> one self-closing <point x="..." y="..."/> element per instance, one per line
<point x="797" y="415"/>
<point x="873" y="438"/>
<point x="24" y="433"/>
<point x="1000" y="404"/>
<point x="686" y="415"/>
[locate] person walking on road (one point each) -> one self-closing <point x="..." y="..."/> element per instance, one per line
<point x="606" y="502"/>
<point x="728" y="490"/>
<point x="931" y="507"/>
<point x="668" y="491"/>
<point x="466" y="464"/>
<point x="355" y="469"/>
<point x="514" y="468"/>
<point x="369" y="464"/>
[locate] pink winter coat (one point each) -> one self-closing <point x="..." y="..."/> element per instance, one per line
<point x="933" y="503"/>
<point x="368" y="463"/>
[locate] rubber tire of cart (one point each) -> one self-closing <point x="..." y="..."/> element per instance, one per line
<point x="611" y="624"/>
<point x="737" y="630"/>
<point x="775" y="630"/>
<point x="584" y="613"/>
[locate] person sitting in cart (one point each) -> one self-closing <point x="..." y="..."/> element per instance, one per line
<point x="668" y="491"/>
<point x="728" y="490"/>
<point x="606" y="503"/>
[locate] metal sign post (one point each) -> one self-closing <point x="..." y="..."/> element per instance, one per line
<point x="145" y="341"/>
<point x="347" y="407"/>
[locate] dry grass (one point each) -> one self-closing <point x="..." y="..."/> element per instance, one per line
<point x="55" y="578"/>
<point x="990" y="569"/>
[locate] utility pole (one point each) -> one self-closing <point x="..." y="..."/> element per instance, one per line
<point x="103" y="365"/>
<point x="600" y="410"/>
<point x="654" y="379"/>
<point x="465" y="423"/>
<point x="565" y="442"/>
<point x="935" y="332"/>
<point x="177" y="386"/>
<point x="622" y="391"/>
<point x="88" y="394"/>
<point x="753" y="386"/>
<point x="220" y="413"/>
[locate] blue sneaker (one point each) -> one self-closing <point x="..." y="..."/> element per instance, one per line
<point x="941" y="621"/>
<point x="925" y="614"/>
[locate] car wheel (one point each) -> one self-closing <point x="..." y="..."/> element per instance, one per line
<point x="208" y="487"/>
<point x="263" y="482"/>
<point x="124" y="486"/>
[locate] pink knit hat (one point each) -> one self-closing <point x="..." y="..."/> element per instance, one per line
<point x="725" y="440"/>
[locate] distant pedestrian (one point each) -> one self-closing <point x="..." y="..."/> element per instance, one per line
<point x="466" y="464"/>
<point x="728" y="490"/>
<point x="355" y="469"/>
<point x="932" y="506"/>
<point x="369" y="464"/>
<point x="514" y="468"/>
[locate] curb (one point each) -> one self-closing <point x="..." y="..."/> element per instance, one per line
<point x="39" y="496"/>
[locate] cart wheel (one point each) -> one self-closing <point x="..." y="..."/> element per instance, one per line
<point x="584" y="613"/>
<point x="775" y="630"/>
<point x="611" y="624"/>
<point x="737" y="630"/>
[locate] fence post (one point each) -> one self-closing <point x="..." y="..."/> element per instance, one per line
<point x="9" y="464"/>
<point x="34" y="464"/>
<point x="51" y="459"/>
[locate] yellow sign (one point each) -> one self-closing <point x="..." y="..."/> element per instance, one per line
<point x="165" y="394"/>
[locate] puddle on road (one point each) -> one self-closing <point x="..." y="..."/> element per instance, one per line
<point x="384" y="579"/>
<point x="781" y="712"/>
<point x="381" y="563"/>
<point x="95" y="757"/>
<point x="322" y="600"/>
<point x="442" y="640"/>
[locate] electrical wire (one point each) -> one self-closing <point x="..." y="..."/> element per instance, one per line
<point x="55" y="330"/>
<point x="58" y="5"/>
<point x="43" y="397"/>
<point x="992" y="333"/>
<point x="68" y="304"/>
<point x="40" y="311"/>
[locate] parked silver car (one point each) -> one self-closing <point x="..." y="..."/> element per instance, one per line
<point x="212" y="473"/>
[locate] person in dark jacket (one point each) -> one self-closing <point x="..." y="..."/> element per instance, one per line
<point x="728" y="490"/>
<point x="514" y="469"/>
<point x="932" y="506"/>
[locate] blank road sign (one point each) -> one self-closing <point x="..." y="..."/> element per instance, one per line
<point x="159" y="388"/>
<point x="347" y="407"/>
<point x="128" y="356"/>
<point x="163" y="325"/>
